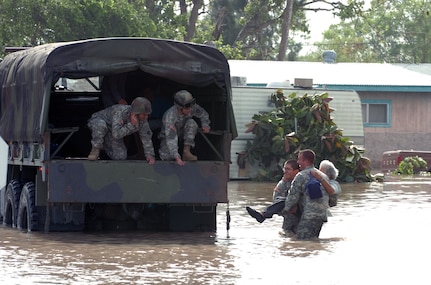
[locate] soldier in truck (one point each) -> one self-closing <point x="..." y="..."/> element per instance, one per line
<point x="109" y="126"/>
<point x="178" y="124"/>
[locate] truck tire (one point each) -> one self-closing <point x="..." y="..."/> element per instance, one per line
<point x="27" y="212"/>
<point x="13" y="192"/>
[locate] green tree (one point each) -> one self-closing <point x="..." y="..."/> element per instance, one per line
<point x="249" y="29"/>
<point x="92" y="18"/>
<point x="390" y="31"/>
<point x="264" y="28"/>
<point x="23" y="23"/>
<point x="35" y="22"/>
<point x="346" y="42"/>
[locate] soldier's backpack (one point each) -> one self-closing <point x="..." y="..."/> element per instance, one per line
<point x="313" y="189"/>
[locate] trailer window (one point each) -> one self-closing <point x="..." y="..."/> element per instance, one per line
<point x="376" y="113"/>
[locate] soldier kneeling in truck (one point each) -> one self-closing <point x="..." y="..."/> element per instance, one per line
<point x="109" y="126"/>
<point x="178" y="121"/>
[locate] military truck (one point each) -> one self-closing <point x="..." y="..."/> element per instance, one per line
<point x="49" y="92"/>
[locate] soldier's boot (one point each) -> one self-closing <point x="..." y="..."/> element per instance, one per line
<point x="187" y="155"/>
<point x="94" y="153"/>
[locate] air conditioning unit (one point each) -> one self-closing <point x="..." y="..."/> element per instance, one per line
<point x="303" y="82"/>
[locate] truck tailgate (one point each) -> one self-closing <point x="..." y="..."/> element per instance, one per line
<point x="108" y="181"/>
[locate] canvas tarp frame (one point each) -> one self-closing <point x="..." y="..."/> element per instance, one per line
<point x="27" y="76"/>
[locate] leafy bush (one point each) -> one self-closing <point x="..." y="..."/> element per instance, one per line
<point x="302" y="122"/>
<point x="411" y="165"/>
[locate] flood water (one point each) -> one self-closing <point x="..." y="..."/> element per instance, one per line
<point x="379" y="233"/>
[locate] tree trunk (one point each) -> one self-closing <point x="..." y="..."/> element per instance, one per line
<point x="287" y="18"/>
<point x="183" y="7"/>
<point x="191" y="27"/>
<point x="217" y="30"/>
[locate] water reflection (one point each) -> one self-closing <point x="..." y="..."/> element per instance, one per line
<point x="378" y="233"/>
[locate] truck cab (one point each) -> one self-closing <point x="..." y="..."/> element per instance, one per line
<point x="48" y="94"/>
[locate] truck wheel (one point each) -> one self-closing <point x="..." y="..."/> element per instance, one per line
<point x="13" y="192"/>
<point x="27" y="213"/>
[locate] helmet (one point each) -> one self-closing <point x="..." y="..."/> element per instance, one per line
<point x="141" y="105"/>
<point x="184" y="99"/>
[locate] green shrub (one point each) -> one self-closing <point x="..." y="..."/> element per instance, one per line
<point x="301" y="122"/>
<point x="411" y="165"/>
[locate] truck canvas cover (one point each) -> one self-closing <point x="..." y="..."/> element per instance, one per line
<point x="185" y="63"/>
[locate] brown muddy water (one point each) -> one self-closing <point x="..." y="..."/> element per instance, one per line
<point x="378" y="234"/>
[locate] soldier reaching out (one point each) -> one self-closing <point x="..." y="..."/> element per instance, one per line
<point x="109" y="126"/>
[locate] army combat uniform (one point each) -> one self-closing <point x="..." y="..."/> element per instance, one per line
<point x="281" y="190"/>
<point x="111" y="125"/>
<point x="313" y="211"/>
<point x="290" y="220"/>
<point x="177" y="126"/>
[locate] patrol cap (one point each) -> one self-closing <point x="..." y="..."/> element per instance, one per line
<point x="141" y="105"/>
<point x="184" y="98"/>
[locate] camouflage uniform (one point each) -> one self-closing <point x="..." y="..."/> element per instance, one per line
<point x="314" y="212"/>
<point x="282" y="188"/>
<point x="177" y="126"/>
<point x="111" y="125"/>
<point x="290" y="220"/>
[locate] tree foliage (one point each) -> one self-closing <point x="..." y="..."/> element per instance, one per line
<point x="302" y="122"/>
<point x="389" y="31"/>
<point x="244" y="29"/>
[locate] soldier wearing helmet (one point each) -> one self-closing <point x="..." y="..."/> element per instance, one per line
<point x="109" y="126"/>
<point x="178" y="124"/>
